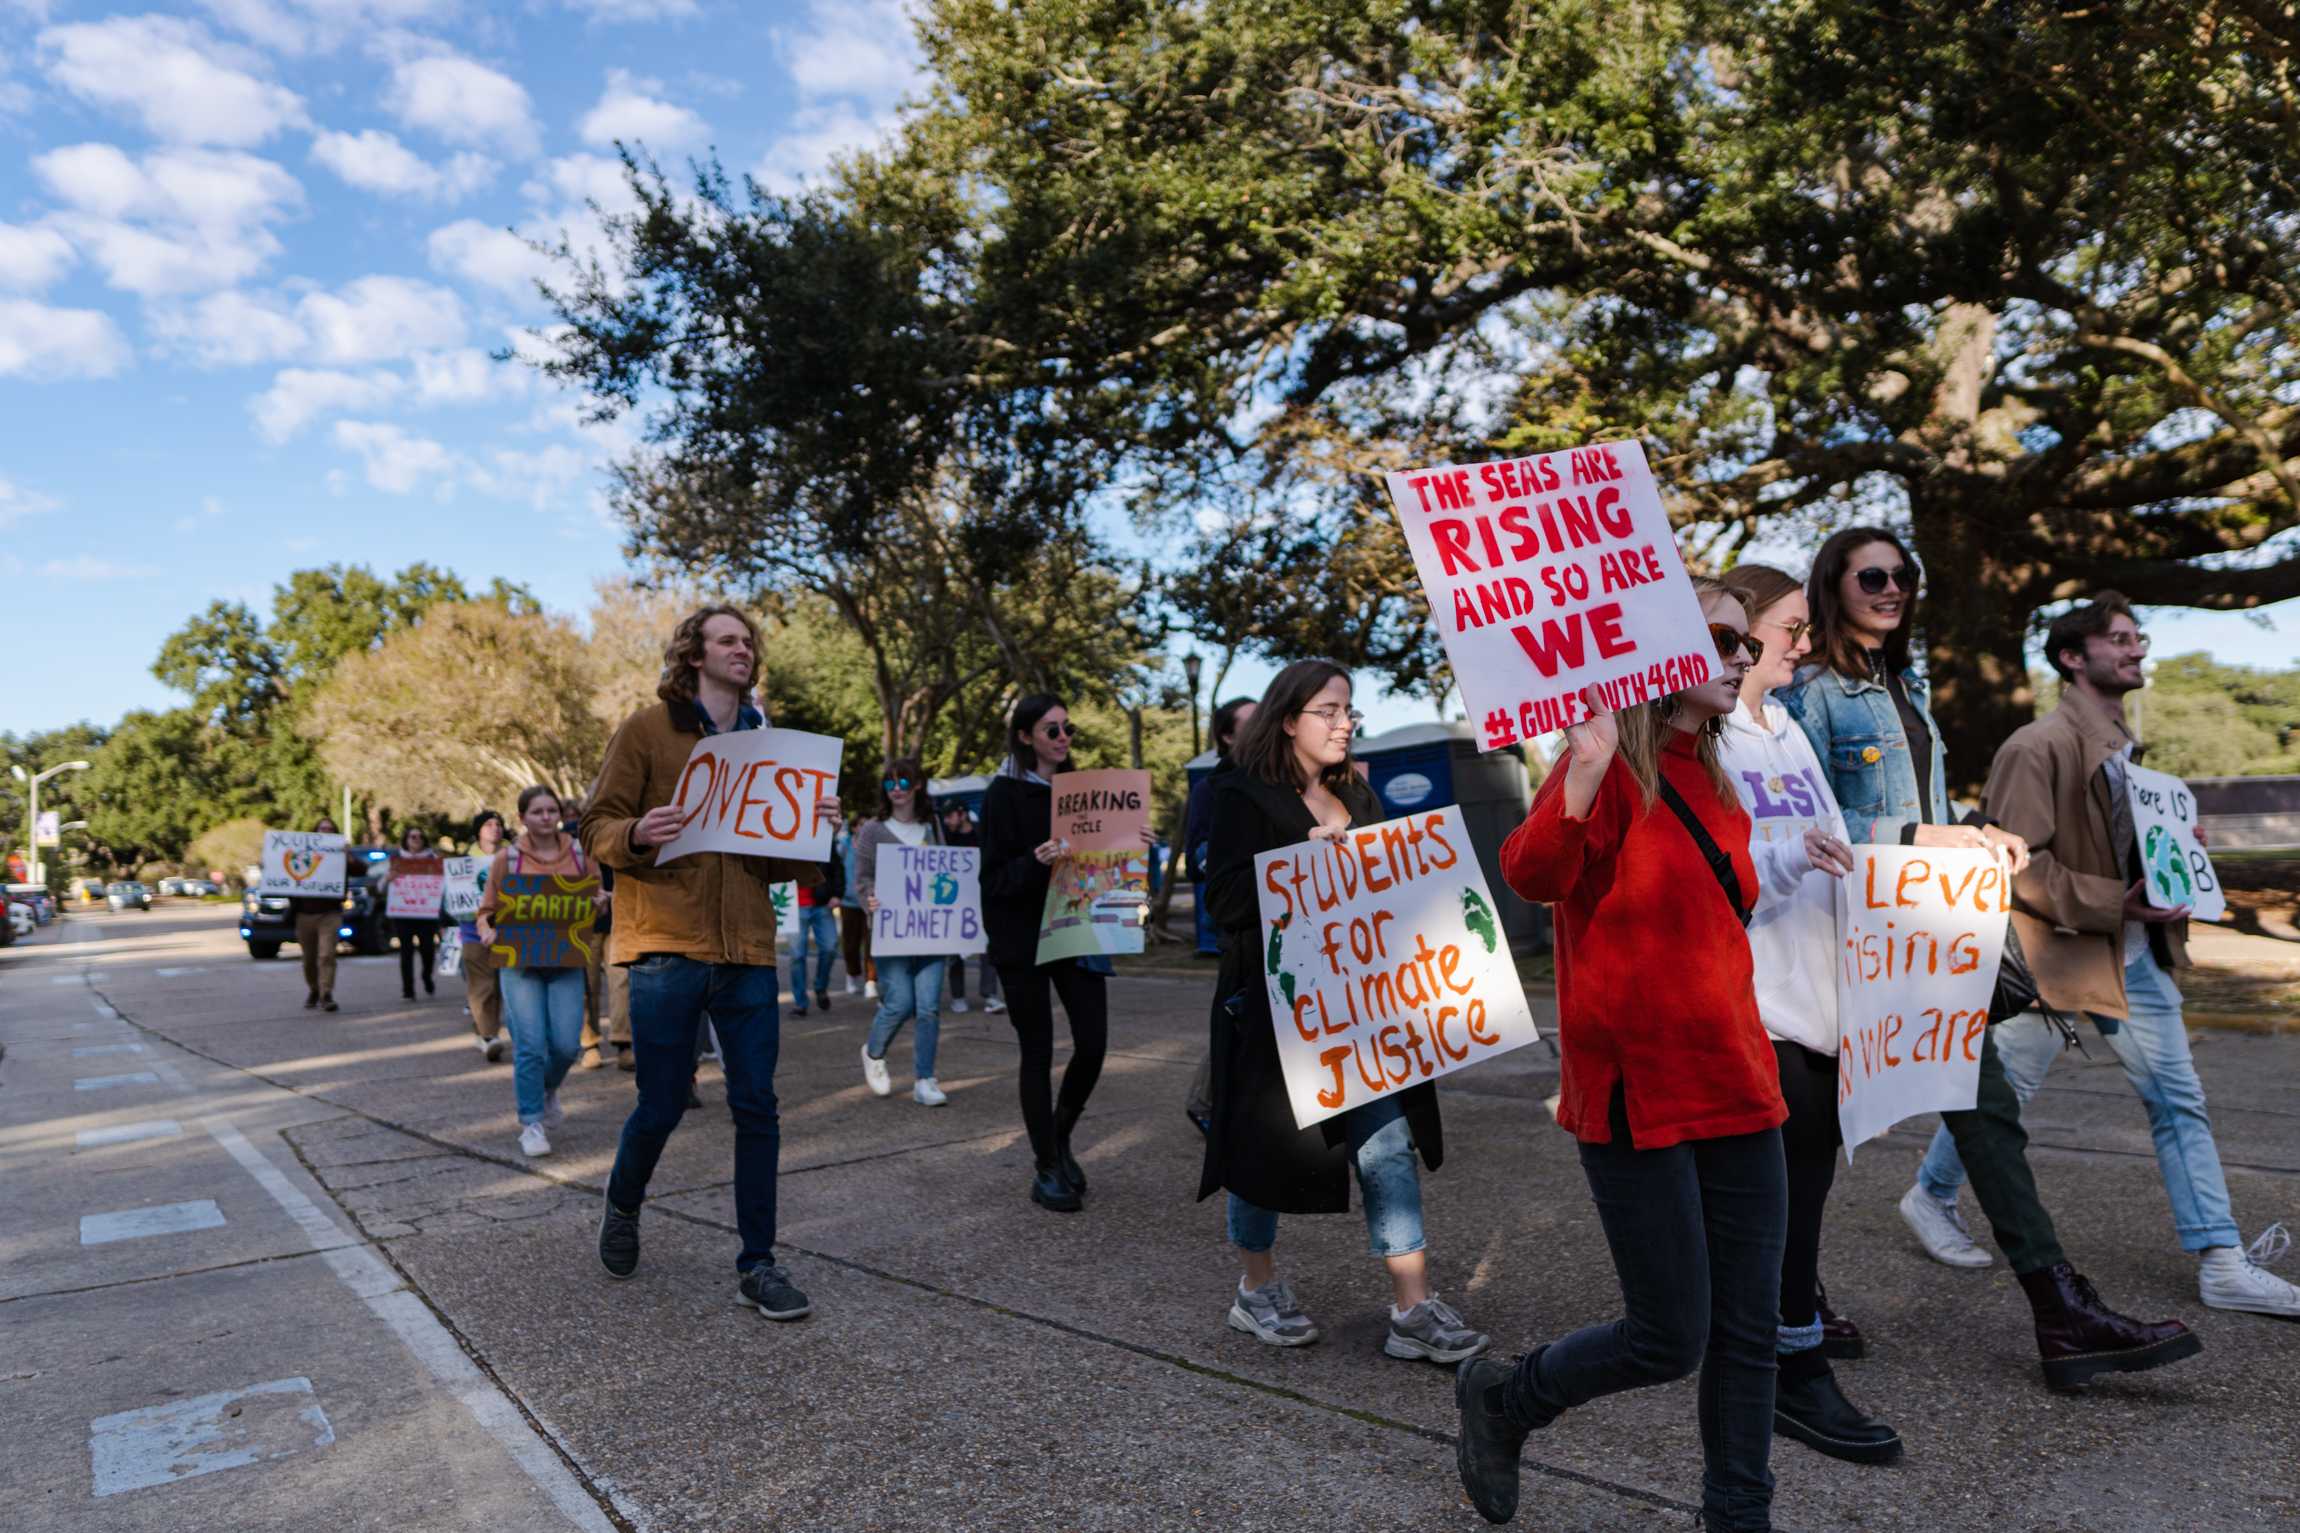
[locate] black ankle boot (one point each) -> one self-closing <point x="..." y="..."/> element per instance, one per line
<point x="1808" y="1406"/>
<point x="1072" y="1172"/>
<point x="1051" y="1190"/>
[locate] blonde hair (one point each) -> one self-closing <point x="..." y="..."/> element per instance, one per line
<point x="1644" y="729"/>
<point x="684" y="653"/>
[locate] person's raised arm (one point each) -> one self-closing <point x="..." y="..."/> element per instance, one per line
<point x="1574" y="816"/>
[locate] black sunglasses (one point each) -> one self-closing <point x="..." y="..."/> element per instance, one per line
<point x="1059" y="731"/>
<point x="1872" y="579"/>
<point x="1728" y="639"/>
<point x="895" y="784"/>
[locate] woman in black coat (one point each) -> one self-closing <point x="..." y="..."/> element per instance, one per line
<point x="1295" y="782"/>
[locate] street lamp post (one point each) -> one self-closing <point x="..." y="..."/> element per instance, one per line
<point x="32" y="811"/>
<point x="1191" y="664"/>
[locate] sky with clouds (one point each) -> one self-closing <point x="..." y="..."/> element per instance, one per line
<point x="255" y="256"/>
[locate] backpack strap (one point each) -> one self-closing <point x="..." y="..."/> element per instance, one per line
<point x="1719" y="864"/>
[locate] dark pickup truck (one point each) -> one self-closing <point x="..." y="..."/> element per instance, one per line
<point x="267" y="923"/>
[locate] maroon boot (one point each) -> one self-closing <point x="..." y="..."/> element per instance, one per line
<point x="2079" y="1338"/>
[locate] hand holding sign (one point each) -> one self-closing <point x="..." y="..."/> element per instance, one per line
<point x="304" y="863"/>
<point x="2177" y="877"/>
<point x="754" y="793"/>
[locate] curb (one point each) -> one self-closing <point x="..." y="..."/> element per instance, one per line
<point x="2258" y="1024"/>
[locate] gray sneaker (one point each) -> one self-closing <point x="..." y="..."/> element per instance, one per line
<point x="1270" y="1315"/>
<point x="769" y="1290"/>
<point x="1432" y="1332"/>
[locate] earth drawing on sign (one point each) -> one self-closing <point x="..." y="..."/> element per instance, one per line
<point x="2166" y="867"/>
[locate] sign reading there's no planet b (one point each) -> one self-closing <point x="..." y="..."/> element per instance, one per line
<point x="308" y="863"/>
<point x="929" y="902"/>
<point x="2173" y="863"/>
<point x="1385" y="962"/>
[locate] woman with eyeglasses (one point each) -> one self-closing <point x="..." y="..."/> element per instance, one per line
<point x="1797" y="841"/>
<point x="1292" y="782"/>
<point x="418" y="937"/>
<point x="1668" y="1083"/>
<point x="908" y="985"/>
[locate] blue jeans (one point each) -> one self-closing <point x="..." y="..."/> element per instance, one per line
<point x="818" y="924"/>
<point x="544" y="1010"/>
<point x="2152" y="1045"/>
<point x="909" y="986"/>
<point x="669" y="997"/>
<point x="1389" y="1184"/>
<point x="1209" y="939"/>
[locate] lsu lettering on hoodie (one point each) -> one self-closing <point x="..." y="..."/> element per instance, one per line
<point x="1793" y="935"/>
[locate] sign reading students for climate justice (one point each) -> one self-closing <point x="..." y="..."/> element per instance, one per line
<point x="1385" y="962"/>
<point x="1100" y="893"/>
<point x="1921" y="931"/>
<point x="2173" y="864"/>
<point x="1549" y="575"/>
<point x="308" y="863"/>
<point x="753" y="792"/>
<point x="929" y="901"/>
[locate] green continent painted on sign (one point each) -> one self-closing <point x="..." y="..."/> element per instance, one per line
<point x="2166" y="867"/>
<point x="945" y="889"/>
<point x="1478" y="916"/>
<point x="1273" y="957"/>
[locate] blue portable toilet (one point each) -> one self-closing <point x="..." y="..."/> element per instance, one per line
<point x="1427" y="766"/>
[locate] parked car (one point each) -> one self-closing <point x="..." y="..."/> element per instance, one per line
<point x="37" y="897"/>
<point x="200" y="888"/>
<point x="172" y="886"/>
<point x="267" y="923"/>
<point x="127" y="894"/>
<point x="19" y="922"/>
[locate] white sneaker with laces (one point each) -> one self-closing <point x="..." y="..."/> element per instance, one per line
<point x="553" y="1113"/>
<point x="928" y="1092"/>
<point x="874" y="1071"/>
<point x="2233" y="1278"/>
<point x="533" y="1142"/>
<point x="1940" y="1229"/>
<point x="959" y="1007"/>
<point x="870" y="989"/>
<point x="995" y="1005"/>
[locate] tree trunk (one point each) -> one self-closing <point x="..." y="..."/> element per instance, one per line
<point x="1974" y="618"/>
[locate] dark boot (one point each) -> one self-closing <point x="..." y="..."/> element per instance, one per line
<point x="1072" y="1172"/>
<point x="1840" y="1338"/>
<point x="1808" y="1406"/>
<point x="1052" y="1190"/>
<point x="1490" y="1438"/>
<point x="2079" y="1338"/>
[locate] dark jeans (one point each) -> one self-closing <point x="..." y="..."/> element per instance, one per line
<point x="415" y="936"/>
<point x="1809" y="1142"/>
<point x="1696" y="1232"/>
<point x="669" y="996"/>
<point x="1030" y="1007"/>
<point x="1994" y="1148"/>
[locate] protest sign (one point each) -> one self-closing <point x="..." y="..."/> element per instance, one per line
<point x="306" y="863"/>
<point x="1552" y="574"/>
<point x="1100" y="893"/>
<point x="1385" y="962"/>
<point x="450" y="960"/>
<point x="929" y="902"/>
<point x="1921" y="932"/>
<point x="418" y="885"/>
<point x="543" y="920"/>
<point x="785" y="899"/>
<point x="465" y="881"/>
<point x="2175" y="868"/>
<point x="754" y="792"/>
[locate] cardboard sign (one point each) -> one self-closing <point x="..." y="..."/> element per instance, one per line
<point x="1385" y="962"/>
<point x="1549" y="575"/>
<point x="1922" y="930"/>
<point x="306" y="863"/>
<point x="2174" y="866"/>
<point x="785" y="899"/>
<point x="418" y="885"/>
<point x="929" y="902"/>
<point x="450" y="960"/>
<point x="543" y="921"/>
<point x="465" y="881"/>
<point x="754" y="792"/>
<point x="1100" y="893"/>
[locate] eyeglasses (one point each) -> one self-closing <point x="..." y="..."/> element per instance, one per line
<point x="2132" y="641"/>
<point x="896" y="784"/>
<point x="1728" y="639"/>
<point x="1872" y="579"/>
<point x="1333" y="714"/>
<point x="1059" y="731"/>
<point x="1792" y="632"/>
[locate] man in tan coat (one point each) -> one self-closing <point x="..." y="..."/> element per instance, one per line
<point x="697" y="937"/>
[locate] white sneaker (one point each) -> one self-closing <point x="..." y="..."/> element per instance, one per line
<point x="490" y="1049"/>
<point x="553" y="1113"/>
<point x="870" y="990"/>
<point x="927" y="1093"/>
<point x="533" y="1141"/>
<point x="995" y="1004"/>
<point x="2232" y="1278"/>
<point x="874" y="1071"/>
<point x="959" y="1007"/>
<point x="1940" y="1229"/>
<point x="854" y="986"/>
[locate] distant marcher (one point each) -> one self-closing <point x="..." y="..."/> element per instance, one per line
<point x="598" y="1019"/>
<point x="482" y="992"/>
<point x="818" y="921"/>
<point x="854" y="924"/>
<point x="318" y="918"/>
<point x="909" y="985"/>
<point x="418" y="937"/>
<point x="1230" y="720"/>
<point x="543" y="1003"/>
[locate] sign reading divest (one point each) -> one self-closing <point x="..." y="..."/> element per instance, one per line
<point x="543" y="920"/>
<point x="1100" y="894"/>
<point x="302" y="862"/>
<point x="1385" y="962"/>
<point x="929" y="901"/>
<point x="417" y="887"/>
<point x="2173" y="862"/>
<point x="754" y="792"/>
<point x="465" y="881"/>
<point x="1922" y="931"/>
<point x="1549" y="575"/>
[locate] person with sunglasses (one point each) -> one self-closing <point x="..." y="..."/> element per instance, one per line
<point x="1292" y="782"/>
<point x="1668" y="1083"/>
<point x="909" y="985"/>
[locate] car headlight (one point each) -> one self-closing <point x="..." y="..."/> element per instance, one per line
<point x="348" y="904"/>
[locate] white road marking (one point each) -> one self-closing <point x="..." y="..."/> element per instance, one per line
<point x="176" y="973"/>
<point x="185" y="1438"/>
<point x="137" y="1223"/>
<point x="323" y="1232"/>
<point x="106" y="1082"/>
<point x="127" y="1133"/>
<point x="64" y="979"/>
<point x="107" y="1048"/>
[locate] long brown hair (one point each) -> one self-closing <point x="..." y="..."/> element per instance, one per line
<point x="1840" y="649"/>
<point x="921" y="801"/>
<point x="1265" y="750"/>
<point x="1758" y="586"/>
<point x="1644" y="728"/>
<point x="684" y="654"/>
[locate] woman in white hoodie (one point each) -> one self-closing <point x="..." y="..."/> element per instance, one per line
<point x="1797" y="840"/>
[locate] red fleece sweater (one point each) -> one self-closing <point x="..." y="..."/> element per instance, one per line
<point x="1654" y="989"/>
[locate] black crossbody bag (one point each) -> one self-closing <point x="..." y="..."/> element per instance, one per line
<point x="1719" y="863"/>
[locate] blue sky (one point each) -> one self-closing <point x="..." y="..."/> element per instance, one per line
<point x="254" y="255"/>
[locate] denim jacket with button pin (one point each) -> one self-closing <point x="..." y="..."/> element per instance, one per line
<point x="1856" y="732"/>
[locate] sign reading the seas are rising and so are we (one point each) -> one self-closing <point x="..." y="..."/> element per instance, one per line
<point x="465" y="881"/>
<point x="929" y="901"/>
<point x="2173" y="863"/>
<point x="1100" y="893"/>
<point x="418" y="885"/>
<point x="1550" y="575"/>
<point x="302" y="862"/>
<point x="1922" y="932"/>
<point x="754" y="792"/>
<point x="1385" y="962"/>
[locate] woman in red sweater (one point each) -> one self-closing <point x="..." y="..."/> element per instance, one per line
<point x="1669" y="1084"/>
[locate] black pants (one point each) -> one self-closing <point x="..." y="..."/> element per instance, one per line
<point x="412" y="936"/>
<point x="1030" y="1007"/>
<point x="1809" y="1144"/>
<point x="1696" y="1232"/>
<point x="1994" y="1148"/>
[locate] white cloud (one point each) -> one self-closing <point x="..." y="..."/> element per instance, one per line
<point x="14" y="96"/>
<point x="633" y="10"/>
<point x="89" y="567"/>
<point x="37" y="341"/>
<point x="631" y="110"/>
<point x="178" y="221"/>
<point x="211" y="509"/>
<point x="231" y="330"/>
<point x="581" y="179"/>
<point x="312" y="26"/>
<point x="299" y="396"/>
<point x="851" y="64"/>
<point x="375" y="319"/>
<point x="182" y="83"/>
<point x="465" y="376"/>
<point x="376" y="161"/>
<point x="396" y="462"/>
<point x="536" y="478"/>
<point x="32" y="259"/>
<point x="489" y="256"/>
<point x="461" y="101"/>
<point x="16" y="503"/>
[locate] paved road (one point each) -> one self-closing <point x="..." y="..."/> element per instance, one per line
<point x="267" y="1269"/>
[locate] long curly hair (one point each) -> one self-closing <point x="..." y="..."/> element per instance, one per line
<point x="684" y="654"/>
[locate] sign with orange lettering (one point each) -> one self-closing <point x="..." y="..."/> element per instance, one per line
<point x="1551" y="576"/>
<point x="1921" y="931"/>
<point x="754" y="792"/>
<point x="1385" y="962"/>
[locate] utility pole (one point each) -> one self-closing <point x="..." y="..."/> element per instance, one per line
<point x="39" y="868"/>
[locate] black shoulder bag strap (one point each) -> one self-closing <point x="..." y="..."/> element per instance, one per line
<point x="1719" y="863"/>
